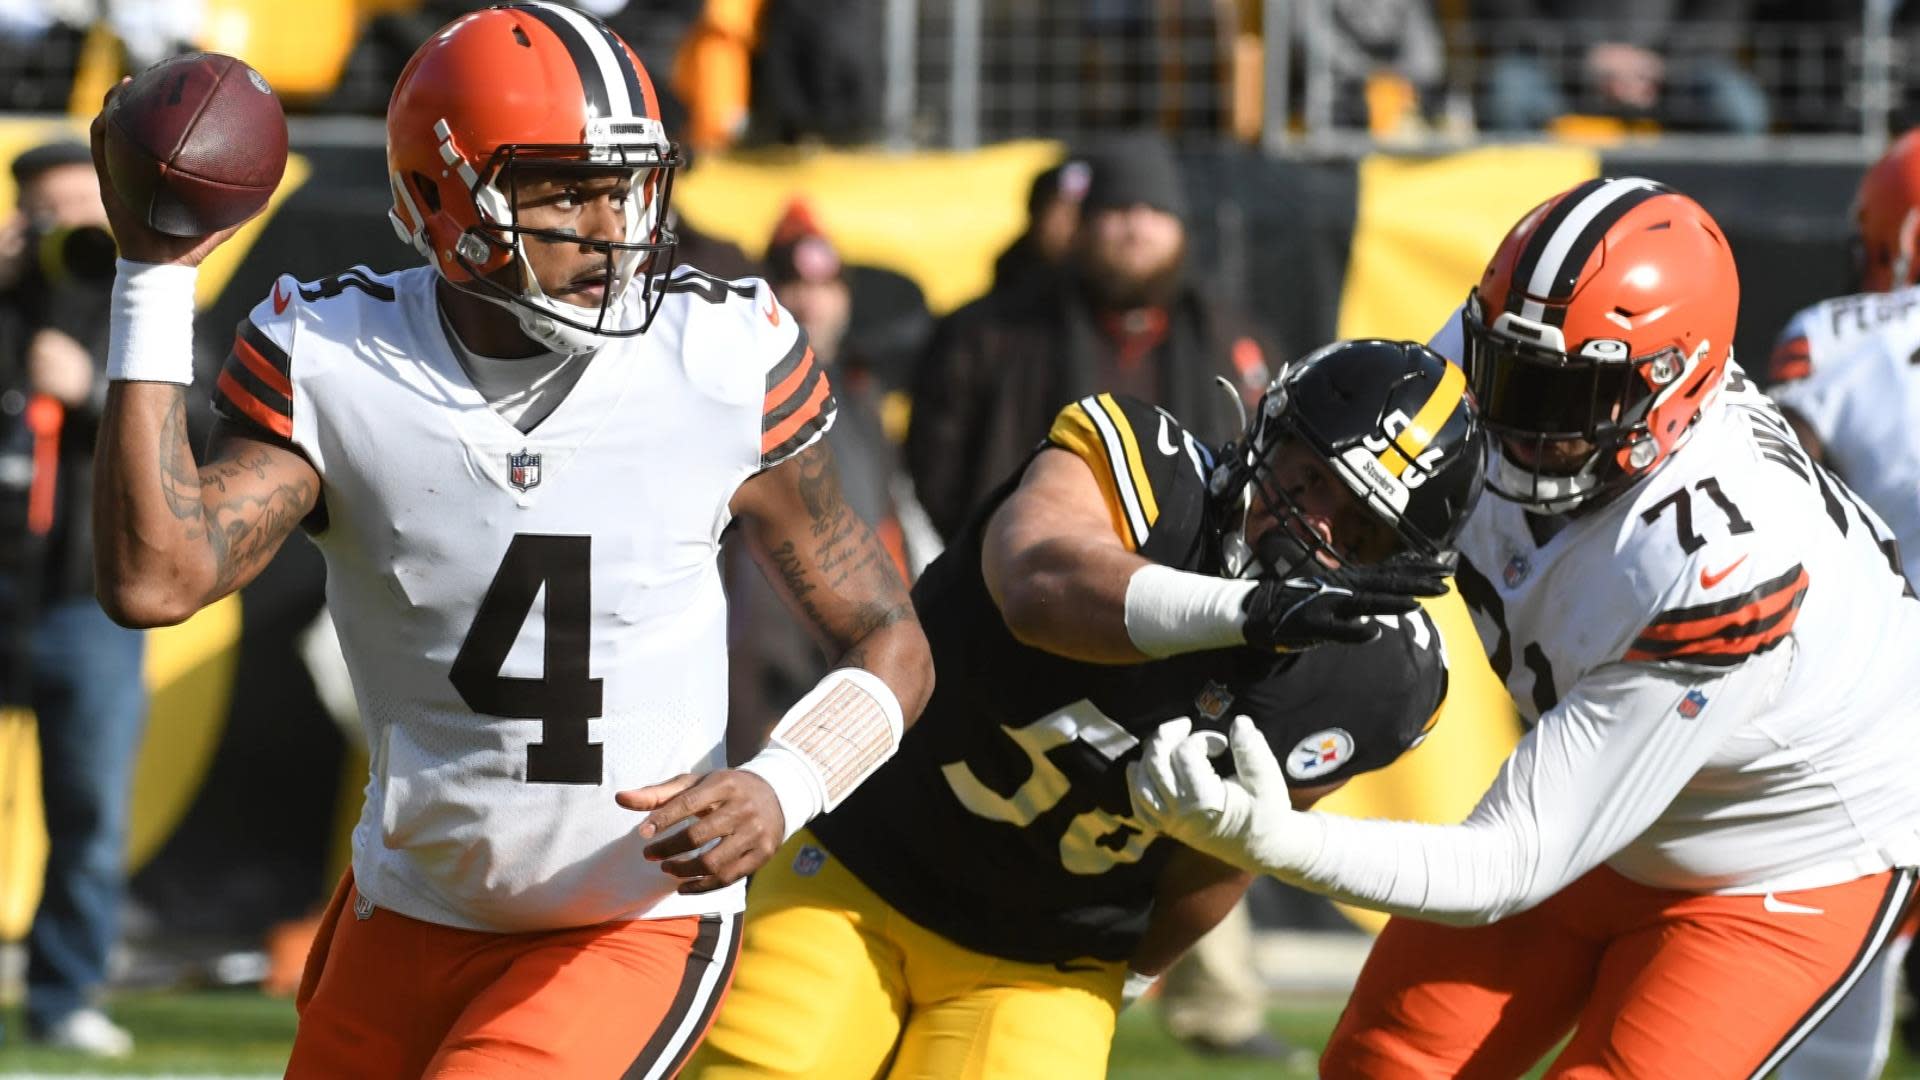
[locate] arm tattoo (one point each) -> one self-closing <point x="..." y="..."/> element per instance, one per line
<point x="841" y="556"/>
<point x="243" y="524"/>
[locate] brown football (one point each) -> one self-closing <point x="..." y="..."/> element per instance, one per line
<point x="196" y="143"/>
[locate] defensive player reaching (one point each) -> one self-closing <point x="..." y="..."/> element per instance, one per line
<point x="975" y="909"/>
<point x="1711" y="828"/>
<point x="1843" y="374"/>
<point x="519" y="462"/>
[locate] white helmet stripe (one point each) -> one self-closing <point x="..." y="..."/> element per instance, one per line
<point x="1561" y="243"/>
<point x="613" y="76"/>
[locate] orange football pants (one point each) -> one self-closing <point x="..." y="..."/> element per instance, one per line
<point x="1654" y="983"/>
<point x="386" y="996"/>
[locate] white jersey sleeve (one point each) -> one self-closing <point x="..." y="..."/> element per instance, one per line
<point x="751" y="349"/>
<point x="1595" y="773"/>
<point x="1846" y="368"/>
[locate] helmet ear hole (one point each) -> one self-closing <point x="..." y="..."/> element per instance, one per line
<point x="428" y="190"/>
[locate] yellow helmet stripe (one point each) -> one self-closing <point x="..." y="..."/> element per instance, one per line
<point x="1413" y="442"/>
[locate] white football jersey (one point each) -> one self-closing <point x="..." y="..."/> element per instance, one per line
<point x="1737" y="545"/>
<point x="533" y="621"/>
<point x="1850" y="367"/>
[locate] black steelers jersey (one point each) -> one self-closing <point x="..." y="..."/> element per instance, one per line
<point x="1004" y="822"/>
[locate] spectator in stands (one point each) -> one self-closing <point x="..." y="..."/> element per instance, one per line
<point x="816" y="71"/>
<point x="61" y="655"/>
<point x="772" y="658"/>
<point x="1053" y="214"/>
<point x="1128" y="315"/>
<point x="1385" y="58"/>
<point x="1668" y="61"/>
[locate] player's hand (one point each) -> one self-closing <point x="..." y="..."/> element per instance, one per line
<point x="1304" y="610"/>
<point x="139" y="242"/>
<point x="1247" y="821"/>
<point x="733" y="826"/>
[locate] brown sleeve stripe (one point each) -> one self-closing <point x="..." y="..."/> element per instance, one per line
<point x="254" y="387"/>
<point x="798" y="427"/>
<point x="1727" y="631"/>
<point x="789" y="374"/>
<point x="267" y="359"/>
<point x="239" y="403"/>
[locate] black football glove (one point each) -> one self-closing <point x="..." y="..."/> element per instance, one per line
<point x="1299" y="612"/>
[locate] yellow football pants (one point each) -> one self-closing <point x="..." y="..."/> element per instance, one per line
<point x="834" y="984"/>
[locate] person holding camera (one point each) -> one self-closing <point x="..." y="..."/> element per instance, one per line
<point x="59" y="653"/>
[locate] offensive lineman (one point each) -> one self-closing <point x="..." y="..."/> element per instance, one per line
<point x="1710" y="829"/>
<point x="519" y="463"/>
<point x="986" y="901"/>
<point x="1843" y="374"/>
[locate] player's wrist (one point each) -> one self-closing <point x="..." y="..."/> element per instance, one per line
<point x="796" y="787"/>
<point x="1136" y="987"/>
<point x="1171" y="611"/>
<point x="150" y="323"/>
<point x="846" y="727"/>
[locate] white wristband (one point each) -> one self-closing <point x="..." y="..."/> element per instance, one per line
<point x="150" y="323"/>
<point x="1135" y="987"/>
<point x="828" y="742"/>
<point x="1172" y="611"/>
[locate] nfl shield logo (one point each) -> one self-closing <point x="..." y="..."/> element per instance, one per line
<point x="808" y="861"/>
<point x="523" y="470"/>
<point x="1691" y="705"/>
<point x="1213" y="700"/>
<point x="1516" y="571"/>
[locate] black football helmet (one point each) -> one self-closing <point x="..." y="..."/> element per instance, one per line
<point x="1393" y="419"/>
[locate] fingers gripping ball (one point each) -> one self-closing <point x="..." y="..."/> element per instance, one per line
<point x="196" y="144"/>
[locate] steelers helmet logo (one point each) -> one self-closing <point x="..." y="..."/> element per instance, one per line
<point x="1319" y="754"/>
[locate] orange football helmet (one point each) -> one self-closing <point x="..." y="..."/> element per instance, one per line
<point x="1606" y="315"/>
<point x="530" y="84"/>
<point x="1886" y="218"/>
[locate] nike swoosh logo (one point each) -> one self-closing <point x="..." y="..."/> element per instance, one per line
<point x="1166" y="444"/>
<point x="1787" y="907"/>
<point x="280" y="300"/>
<point x="1708" y="581"/>
<point x="772" y="313"/>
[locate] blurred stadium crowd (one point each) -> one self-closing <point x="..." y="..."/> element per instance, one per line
<point x="774" y="71"/>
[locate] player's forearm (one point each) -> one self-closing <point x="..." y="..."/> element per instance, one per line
<point x="899" y="655"/>
<point x="1194" y="893"/>
<point x="1068" y="596"/>
<point x="154" y="558"/>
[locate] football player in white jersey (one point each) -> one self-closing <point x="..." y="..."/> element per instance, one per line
<point x="1843" y="373"/>
<point x="519" y="462"/>
<point x="1711" y="828"/>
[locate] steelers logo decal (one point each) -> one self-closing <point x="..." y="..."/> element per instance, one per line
<point x="1319" y="754"/>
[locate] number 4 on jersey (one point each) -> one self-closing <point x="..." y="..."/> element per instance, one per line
<point x="565" y="697"/>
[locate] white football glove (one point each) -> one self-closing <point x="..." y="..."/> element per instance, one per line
<point x="1247" y="821"/>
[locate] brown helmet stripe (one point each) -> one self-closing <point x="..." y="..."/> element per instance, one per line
<point x="593" y="83"/>
<point x="1566" y="241"/>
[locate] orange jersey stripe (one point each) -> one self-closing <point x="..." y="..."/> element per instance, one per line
<point x="1764" y="607"/>
<point x="1792" y="359"/>
<point x="243" y="399"/>
<point x="1753" y="628"/>
<point x="259" y="365"/>
<point x="778" y="395"/>
<point x="806" y="413"/>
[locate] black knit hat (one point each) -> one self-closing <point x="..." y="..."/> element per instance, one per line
<point x="1134" y="169"/>
<point x="31" y="163"/>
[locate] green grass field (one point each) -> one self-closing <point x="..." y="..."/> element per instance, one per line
<point x="237" y="1033"/>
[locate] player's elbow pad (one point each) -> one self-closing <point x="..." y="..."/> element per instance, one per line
<point x="831" y="740"/>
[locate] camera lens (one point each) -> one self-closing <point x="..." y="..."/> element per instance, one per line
<point x="83" y="253"/>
